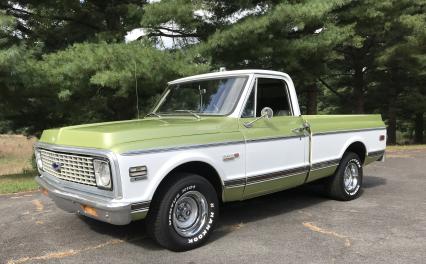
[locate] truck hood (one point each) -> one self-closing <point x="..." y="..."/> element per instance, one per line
<point x="112" y="135"/>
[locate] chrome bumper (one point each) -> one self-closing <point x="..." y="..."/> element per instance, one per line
<point x="105" y="209"/>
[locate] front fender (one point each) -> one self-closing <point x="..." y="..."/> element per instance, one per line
<point x="159" y="166"/>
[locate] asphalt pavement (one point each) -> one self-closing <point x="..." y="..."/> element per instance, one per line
<point x="387" y="224"/>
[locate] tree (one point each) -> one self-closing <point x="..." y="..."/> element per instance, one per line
<point x="91" y="83"/>
<point x="55" y="25"/>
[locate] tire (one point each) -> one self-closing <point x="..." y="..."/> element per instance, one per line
<point x="346" y="183"/>
<point x="172" y="221"/>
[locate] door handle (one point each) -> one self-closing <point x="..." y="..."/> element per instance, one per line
<point x="298" y="130"/>
<point x="305" y="127"/>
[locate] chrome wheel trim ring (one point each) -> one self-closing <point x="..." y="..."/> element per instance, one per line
<point x="351" y="177"/>
<point x="190" y="213"/>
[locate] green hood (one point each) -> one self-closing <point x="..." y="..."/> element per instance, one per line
<point x="129" y="135"/>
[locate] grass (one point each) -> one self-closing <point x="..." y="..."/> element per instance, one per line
<point x="15" y="154"/>
<point x="21" y="182"/>
<point x="405" y="147"/>
<point x="16" y="172"/>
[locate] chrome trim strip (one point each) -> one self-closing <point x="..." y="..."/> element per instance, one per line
<point x="115" y="170"/>
<point x="325" y="164"/>
<point x="208" y="145"/>
<point x="347" y="131"/>
<point x="376" y="153"/>
<point x="139" y="207"/>
<point x="217" y="144"/>
<point x="274" y="138"/>
<point x="326" y="167"/>
<point x="158" y="150"/>
<point x="280" y="174"/>
<point x="266" y="177"/>
<point x="234" y="183"/>
<point x="277" y="175"/>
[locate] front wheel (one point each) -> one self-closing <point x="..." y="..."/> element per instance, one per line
<point x="184" y="213"/>
<point x="346" y="183"/>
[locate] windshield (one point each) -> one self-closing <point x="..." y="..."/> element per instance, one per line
<point x="206" y="97"/>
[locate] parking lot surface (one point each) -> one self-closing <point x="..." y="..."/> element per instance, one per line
<point x="387" y="224"/>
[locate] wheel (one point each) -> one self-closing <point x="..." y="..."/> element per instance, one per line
<point x="184" y="213"/>
<point x="345" y="184"/>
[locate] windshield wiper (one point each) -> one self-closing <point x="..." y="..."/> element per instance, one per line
<point x="152" y="114"/>
<point x="189" y="112"/>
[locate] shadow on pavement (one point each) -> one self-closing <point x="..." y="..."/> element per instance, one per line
<point x="234" y="213"/>
<point x="372" y="181"/>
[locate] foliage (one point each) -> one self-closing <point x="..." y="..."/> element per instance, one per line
<point x="66" y="62"/>
<point x="22" y="182"/>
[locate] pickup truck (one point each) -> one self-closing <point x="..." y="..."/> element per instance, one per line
<point x="211" y="138"/>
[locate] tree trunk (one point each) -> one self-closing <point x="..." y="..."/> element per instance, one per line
<point x="392" y="125"/>
<point x="418" y="128"/>
<point x="358" y="92"/>
<point x="312" y="99"/>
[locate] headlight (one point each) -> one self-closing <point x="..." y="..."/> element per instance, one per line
<point x="38" y="160"/>
<point x="102" y="173"/>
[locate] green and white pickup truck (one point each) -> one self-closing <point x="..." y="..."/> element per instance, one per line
<point x="212" y="138"/>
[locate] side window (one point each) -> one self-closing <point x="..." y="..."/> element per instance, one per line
<point x="272" y="93"/>
<point x="249" y="108"/>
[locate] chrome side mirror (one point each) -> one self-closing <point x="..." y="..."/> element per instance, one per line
<point x="266" y="112"/>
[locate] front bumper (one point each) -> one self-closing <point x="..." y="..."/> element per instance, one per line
<point x="103" y="209"/>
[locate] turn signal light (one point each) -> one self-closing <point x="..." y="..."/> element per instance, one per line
<point x="44" y="191"/>
<point x="89" y="210"/>
<point x="382" y="137"/>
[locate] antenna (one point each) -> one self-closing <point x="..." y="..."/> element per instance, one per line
<point x="137" y="93"/>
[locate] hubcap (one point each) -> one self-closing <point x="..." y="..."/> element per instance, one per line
<point x="351" y="177"/>
<point x="190" y="213"/>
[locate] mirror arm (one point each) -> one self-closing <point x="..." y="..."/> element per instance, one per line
<point x="250" y="124"/>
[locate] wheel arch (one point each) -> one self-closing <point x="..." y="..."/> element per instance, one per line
<point x="358" y="147"/>
<point x="196" y="166"/>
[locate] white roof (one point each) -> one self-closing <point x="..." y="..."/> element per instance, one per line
<point x="227" y="73"/>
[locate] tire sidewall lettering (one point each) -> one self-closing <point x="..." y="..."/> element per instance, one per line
<point x="203" y="232"/>
<point x="358" y="164"/>
<point x="197" y="238"/>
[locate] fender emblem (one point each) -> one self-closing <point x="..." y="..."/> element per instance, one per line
<point x="231" y="156"/>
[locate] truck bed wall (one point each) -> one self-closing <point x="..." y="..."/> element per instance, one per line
<point x="333" y="134"/>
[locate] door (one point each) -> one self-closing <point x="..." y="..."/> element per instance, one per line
<point x="276" y="152"/>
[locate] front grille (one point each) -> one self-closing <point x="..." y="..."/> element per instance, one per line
<point x="69" y="167"/>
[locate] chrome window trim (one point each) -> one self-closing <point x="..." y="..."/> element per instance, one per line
<point x="206" y="78"/>
<point x="255" y="97"/>
<point x="117" y="191"/>
<point x="251" y="85"/>
<point x="286" y="89"/>
<point x="234" y="107"/>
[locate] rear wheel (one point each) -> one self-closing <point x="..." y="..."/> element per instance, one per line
<point x="346" y="183"/>
<point x="184" y="213"/>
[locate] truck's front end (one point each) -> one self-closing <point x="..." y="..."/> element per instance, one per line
<point x="101" y="170"/>
<point x="86" y="181"/>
